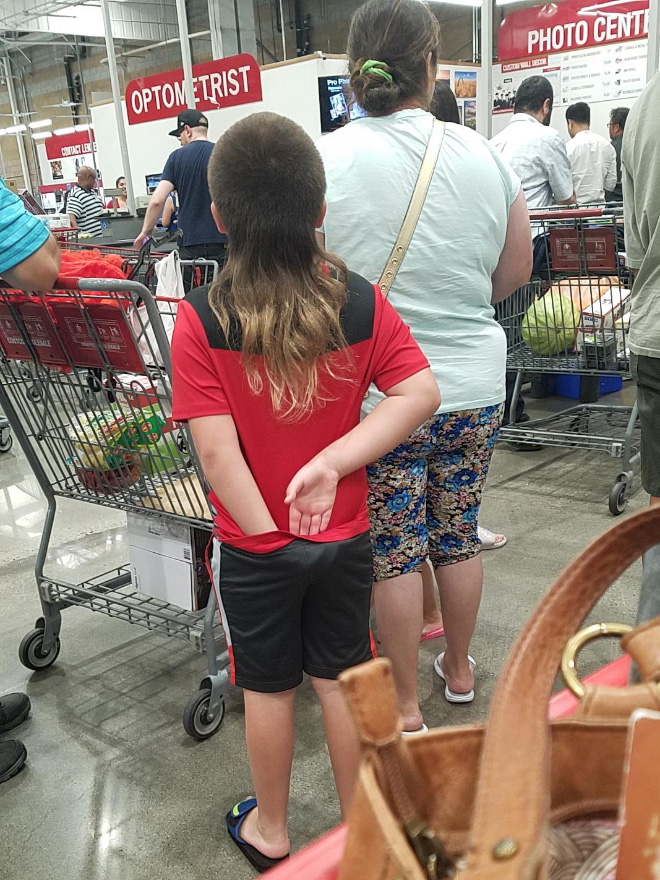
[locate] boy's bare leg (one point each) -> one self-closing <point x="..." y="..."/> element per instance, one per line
<point x="342" y="739"/>
<point x="432" y="615"/>
<point x="269" y="735"/>
<point x="399" y="613"/>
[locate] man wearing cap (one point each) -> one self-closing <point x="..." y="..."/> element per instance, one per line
<point x="186" y="172"/>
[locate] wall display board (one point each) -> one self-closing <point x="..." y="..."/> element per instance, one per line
<point x="508" y="76"/>
<point x="612" y="72"/>
<point x="593" y="52"/>
<point x="61" y="156"/>
<point x="464" y="82"/>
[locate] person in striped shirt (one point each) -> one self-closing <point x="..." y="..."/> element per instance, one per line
<point x="84" y="205"/>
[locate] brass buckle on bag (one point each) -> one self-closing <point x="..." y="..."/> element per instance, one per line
<point x="575" y="644"/>
<point x="429" y="850"/>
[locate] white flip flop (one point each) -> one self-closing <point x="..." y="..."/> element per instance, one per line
<point x="487" y="540"/>
<point x="452" y="696"/>
<point x="420" y="730"/>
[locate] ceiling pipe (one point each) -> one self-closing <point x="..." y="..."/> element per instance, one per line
<point x="150" y="46"/>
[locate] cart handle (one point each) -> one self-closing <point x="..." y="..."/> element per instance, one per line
<point x="566" y="214"/>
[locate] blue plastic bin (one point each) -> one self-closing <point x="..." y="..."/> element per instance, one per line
<point x="568" y="385"/>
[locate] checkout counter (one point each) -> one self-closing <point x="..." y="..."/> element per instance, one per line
<point x="119" y="228"/>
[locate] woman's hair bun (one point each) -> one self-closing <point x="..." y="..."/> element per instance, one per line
<point x="392" y="39"/>
<point x="373" y="92"/>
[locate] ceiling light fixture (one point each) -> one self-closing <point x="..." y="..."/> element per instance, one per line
<point x="69" y="130"/>
<point x="42" y="123"/>
<point x="81" y="127"/>
<point x="39" y="135"/>
<point x="16" y="129"/>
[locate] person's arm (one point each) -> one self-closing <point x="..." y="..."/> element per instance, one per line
<point x="38" y="271"/>
<point x="168" y="212"/>
<point x="227" y="472"/>
<point x="560" y="173"/>
<point x="515" y="265"/>
<point x="162" y="191"/>
<point x="635" y="250"/>
<point x="199" y="398"/>
<point x="311" y="493"/>
<point x="73" y="221"/>
<point x="610" y="169"/>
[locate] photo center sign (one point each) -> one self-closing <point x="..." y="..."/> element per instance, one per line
<point x="227" y="82"/>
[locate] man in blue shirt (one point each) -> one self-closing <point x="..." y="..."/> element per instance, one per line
<point x="29" y="255"/>
<point x="29" y="259"/>
<point x="186" y="172"/>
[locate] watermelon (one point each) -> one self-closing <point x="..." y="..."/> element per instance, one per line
<point x="550" y="325"/>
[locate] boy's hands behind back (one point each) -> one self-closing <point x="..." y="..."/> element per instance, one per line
<point x="311" y="496"/>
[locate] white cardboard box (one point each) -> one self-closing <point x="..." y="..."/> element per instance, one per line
<point x="602" y="313"/>
<point x="164" y="560"/>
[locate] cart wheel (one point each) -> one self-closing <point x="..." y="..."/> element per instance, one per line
<point x="34" y="393"/>
<point x="30" y="651"/>
<point x="195" y="720"/>
<point x="618" y="498"/>
<point x="6" y="442"/>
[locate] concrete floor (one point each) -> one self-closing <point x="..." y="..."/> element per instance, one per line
<point x="115" y="789"/>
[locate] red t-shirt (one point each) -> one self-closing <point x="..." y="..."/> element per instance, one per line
<point x="209" y="379"/>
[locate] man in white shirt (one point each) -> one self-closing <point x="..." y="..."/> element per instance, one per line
<point x="593" y="158"/>
<point x="535" y="151"/>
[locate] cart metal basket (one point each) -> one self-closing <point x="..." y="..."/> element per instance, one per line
<point x="573" y="318"/>
<point x="85" y="383"/>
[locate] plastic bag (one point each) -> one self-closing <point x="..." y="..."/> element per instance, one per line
<point x="170" y="286"/>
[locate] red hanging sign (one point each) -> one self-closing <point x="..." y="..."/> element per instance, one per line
<point x="226" y="82"/>
<point x="68" y="146"/>
<point x="571" y="24"/>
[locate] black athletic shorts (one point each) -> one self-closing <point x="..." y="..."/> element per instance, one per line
<point x="302" y="608"/>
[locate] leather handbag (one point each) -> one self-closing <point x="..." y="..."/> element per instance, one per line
<point x="415" y="206"/>
<point x="507" y="800"/>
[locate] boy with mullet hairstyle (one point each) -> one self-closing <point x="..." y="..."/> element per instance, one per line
<point x="270" y="367"/>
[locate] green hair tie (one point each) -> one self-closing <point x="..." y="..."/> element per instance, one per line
<point x="377" y="67"/>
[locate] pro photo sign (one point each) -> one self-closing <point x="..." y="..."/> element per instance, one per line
<point x="226" y="82"/>
<point x="70" y="146"/>
<point x="571" y="24"/>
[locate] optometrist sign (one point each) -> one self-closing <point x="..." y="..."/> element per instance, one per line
<point x="227" y="82"/>
<point x="571" y="24"/>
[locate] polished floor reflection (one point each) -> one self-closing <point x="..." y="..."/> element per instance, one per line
<point x="115" y="790"/>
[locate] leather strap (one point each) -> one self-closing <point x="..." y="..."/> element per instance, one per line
<point x="643" y="645"/>
<point x="417" y="200"/>
<point x="511" y="807"/>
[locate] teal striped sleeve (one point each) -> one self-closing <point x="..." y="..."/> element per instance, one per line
<point x="21" y="233"/>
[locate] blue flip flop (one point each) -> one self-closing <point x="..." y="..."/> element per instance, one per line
<point x="234" y="821"/>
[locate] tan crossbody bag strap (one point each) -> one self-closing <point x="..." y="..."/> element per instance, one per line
<point x="417" y="200"/>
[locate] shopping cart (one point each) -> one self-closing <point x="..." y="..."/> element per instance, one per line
<point x="140" y="265"/>
<point x="109" y="442"/>
<point x="573" y="318"/>
<point x="65" y="235"/>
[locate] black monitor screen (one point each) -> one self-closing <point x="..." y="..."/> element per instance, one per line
<point x="336" y="103"/>
<point x="152" y="181"/>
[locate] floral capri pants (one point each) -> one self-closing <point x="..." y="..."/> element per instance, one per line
<point x="424" y="496"/>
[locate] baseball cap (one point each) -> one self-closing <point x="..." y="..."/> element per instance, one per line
<point x="192" y="118"/>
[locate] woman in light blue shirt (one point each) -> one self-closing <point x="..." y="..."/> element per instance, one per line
<point x="471" y="248"/>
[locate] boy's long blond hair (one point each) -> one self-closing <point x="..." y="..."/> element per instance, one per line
<point x="280" y="290"/>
